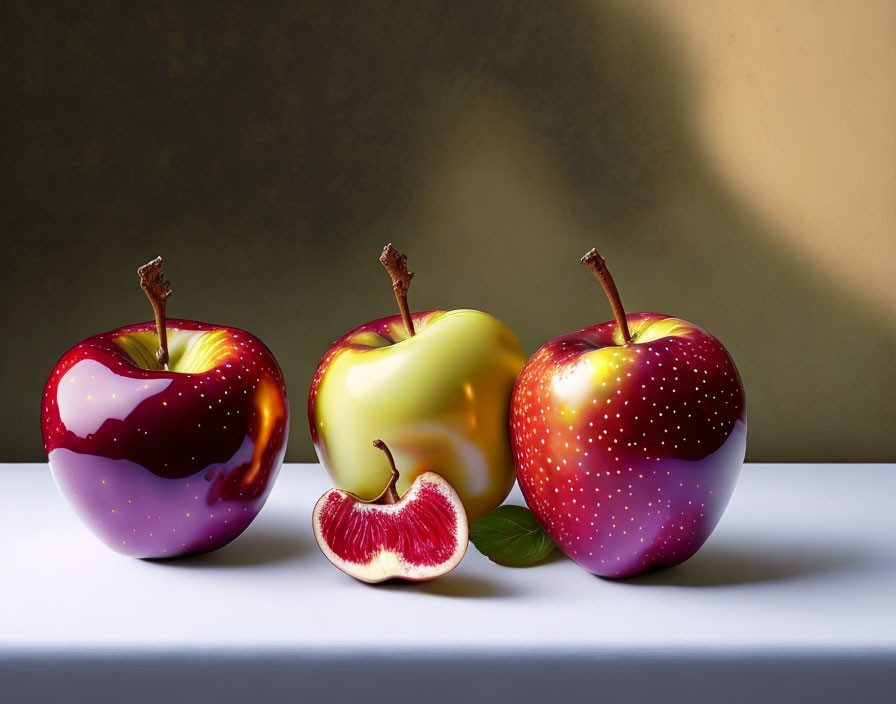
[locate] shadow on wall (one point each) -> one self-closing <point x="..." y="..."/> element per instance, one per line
<point x="269" y="153"/>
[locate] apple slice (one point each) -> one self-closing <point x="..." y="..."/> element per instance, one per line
<point x="417" y="537"/>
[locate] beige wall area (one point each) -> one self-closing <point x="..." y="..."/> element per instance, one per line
<point x="795" y="112"/>
<point x="735" y="162"/>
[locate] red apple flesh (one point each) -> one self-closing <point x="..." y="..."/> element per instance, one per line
<point x="419" y="536"/>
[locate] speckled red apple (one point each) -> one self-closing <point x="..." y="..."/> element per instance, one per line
<point x="628" y="438"/>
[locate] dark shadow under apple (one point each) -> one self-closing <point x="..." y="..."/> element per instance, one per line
<point x="255" y="547"/>
<point x="725" y="565"/>
<point x="453" y="585"/>
<point x="556" y="555"/>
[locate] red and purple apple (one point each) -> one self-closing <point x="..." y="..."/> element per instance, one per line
<point x="629" y="437"/>
<point x="166" y="444"/>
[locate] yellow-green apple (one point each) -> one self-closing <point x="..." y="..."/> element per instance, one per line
<point x="629" y="437"/>
<point x="435" y="386"/>
<point x="166" y="438"/>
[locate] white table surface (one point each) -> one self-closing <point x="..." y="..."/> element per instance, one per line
<point x="793" y="596"/>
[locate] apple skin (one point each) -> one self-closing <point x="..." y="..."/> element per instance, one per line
<point x="628" y="455"/>
<point x="164" y="463"/>
<point x="440" y="400"/>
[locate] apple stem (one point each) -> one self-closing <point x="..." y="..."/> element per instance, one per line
<point x="396" y="264"/>
<point x="598" y="267"/>
<point x="389" y="495"/>
<point x="152" y="281"/>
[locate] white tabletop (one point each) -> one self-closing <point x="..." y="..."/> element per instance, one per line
<point x="793" y="593"/>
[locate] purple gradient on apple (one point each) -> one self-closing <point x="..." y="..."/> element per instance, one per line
<point x="162" y="463"/>
<point x="628" y="455"/>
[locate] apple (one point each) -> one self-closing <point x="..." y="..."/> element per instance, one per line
<point x="629" y="437"/>
<point x="434" y="386"/>
<point x="163" y="456"/>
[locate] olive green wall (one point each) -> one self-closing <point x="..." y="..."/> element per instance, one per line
<point x="731" y="168"/>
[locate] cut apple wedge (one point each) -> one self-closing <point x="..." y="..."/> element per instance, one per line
<point x="419" y="536"/>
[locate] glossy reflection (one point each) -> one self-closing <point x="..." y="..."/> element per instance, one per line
<point x="159" y="463"/>
<point x="628" y="455"/>
<point x="440" y="401"/>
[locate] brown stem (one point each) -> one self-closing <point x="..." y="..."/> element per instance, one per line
<point x="598" y="267"/>
<point x="397" y="265"/>
<point x="152" y="281"/>
<point x="389" y="495"/>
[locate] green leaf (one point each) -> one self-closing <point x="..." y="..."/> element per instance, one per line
<point x="511" y="536"/>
